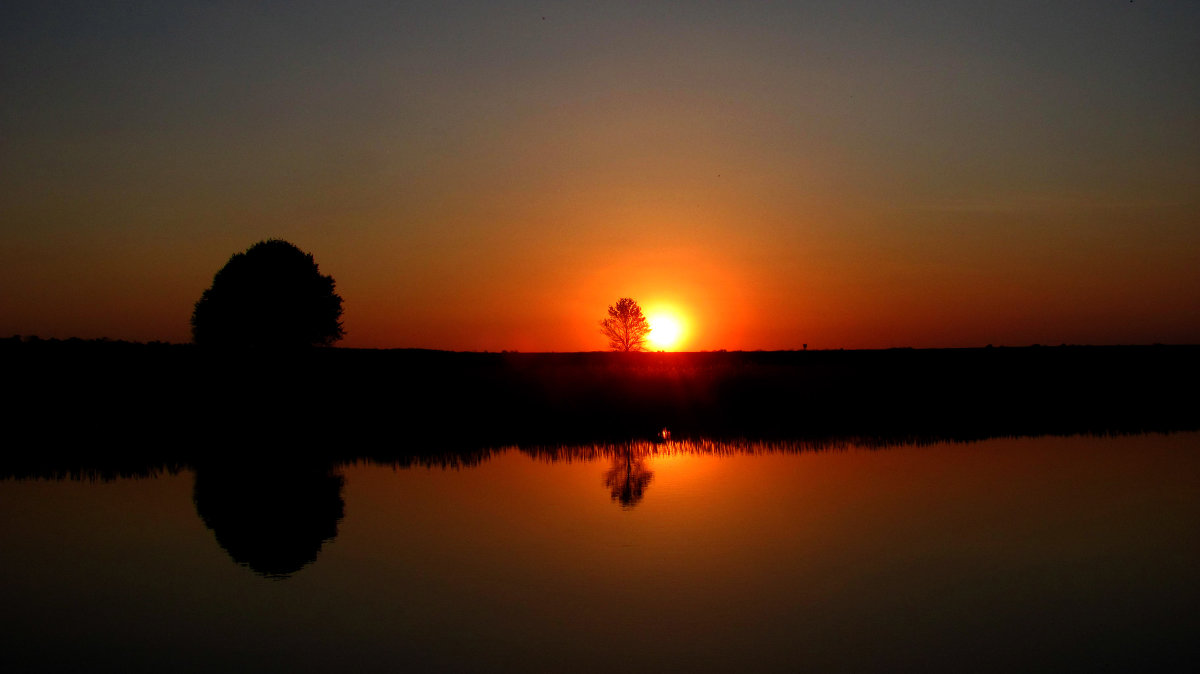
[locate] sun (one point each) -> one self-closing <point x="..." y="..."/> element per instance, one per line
<point x="666" y="330"/>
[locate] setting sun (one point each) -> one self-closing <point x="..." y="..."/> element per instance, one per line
<point x="666" y="331"/>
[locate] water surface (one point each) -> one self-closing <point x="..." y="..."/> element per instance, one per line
<point x="1065" y="552"/>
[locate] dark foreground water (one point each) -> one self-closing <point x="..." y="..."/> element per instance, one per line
<point x="1076" y="553"/>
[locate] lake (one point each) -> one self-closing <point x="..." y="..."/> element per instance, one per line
<point x="1007" y="554"/>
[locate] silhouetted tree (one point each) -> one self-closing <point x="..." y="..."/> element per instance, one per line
<point x="626" y="328"/>
<point x="271" y="295"/>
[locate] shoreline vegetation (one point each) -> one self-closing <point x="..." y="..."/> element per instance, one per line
<point x="182" y="403"/>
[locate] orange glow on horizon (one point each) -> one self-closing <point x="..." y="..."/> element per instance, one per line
<point x="706" y="293"/>
<point x="490" y="182"/>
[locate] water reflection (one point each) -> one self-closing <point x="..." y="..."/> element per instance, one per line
<point x="628" y="477"/>
<point x="272" y="519"/>
<point x="275" y="518"/>
<point x="1054" y="554"/>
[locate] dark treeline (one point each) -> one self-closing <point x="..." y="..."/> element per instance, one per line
<point x="266" y="432"/>
<point x="180" y="403"/>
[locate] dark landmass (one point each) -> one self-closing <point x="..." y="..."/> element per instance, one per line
<point x="174" y="404"/>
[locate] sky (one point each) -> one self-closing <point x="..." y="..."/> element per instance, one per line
<point x="493" y="175"/>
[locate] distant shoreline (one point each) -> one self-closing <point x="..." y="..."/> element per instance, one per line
<point x="316" y="400"/>
<point x="19" y="339"/>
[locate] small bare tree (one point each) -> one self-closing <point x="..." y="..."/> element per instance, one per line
<point x="626" y="328"/>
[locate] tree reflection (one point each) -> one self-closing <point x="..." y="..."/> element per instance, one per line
<point x="273" y="520"/>
<point x="628" y="477"/>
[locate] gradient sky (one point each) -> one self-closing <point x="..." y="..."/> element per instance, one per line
<point x="492" y="175"/>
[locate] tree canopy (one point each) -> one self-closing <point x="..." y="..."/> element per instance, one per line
<point x="272" y="295"/>
<point x="626" y="328"/>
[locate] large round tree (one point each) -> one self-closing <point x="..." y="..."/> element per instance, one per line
<point x="271" y="296"/>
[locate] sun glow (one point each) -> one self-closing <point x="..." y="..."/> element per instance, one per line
<point x="666" y="331"/>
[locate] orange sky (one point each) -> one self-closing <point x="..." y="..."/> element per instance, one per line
<point x="477" y="177"/>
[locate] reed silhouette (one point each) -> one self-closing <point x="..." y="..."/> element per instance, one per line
<point x="209" y="403"/>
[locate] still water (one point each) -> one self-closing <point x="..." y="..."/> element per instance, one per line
<point x="1076" y="553"/>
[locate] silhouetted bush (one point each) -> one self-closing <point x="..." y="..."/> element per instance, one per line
<point x="272" y="295"/>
